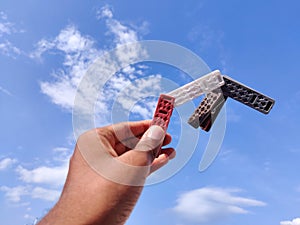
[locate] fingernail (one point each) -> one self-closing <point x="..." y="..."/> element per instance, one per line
<point x="155" y="132"/>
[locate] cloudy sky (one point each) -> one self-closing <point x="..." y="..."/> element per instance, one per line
<point x="45" y="50"/>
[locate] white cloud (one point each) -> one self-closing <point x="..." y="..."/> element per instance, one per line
<point x="209" y="39"/>
<point x="205" y="34"/>
<point x="3" y="16"/>
<point x="104" y="12"/>
<point x="295" y="221"/>
<point x="143" y="111"/>
<point x="6" y="163"/>
<point x="45" y="194"/>
<point x="32" y="219"/>
<point x="8" y="49"/>
<point x="71" y="41"/>
<point x="130" y="92"/>
<point x="62" y="91"/>
<point x="79" y="52"/>
<point x="54" y="176"/>
<point x="27" y="216"/>
<point x="5" y="91"/>
<point x="208" y="205"/>
<point x="7" y="28"/>
<point x="48" y="175"/>
<point x="15" y="194"/>
<point x="34" y="178"/>
<point x="122" y="34"/>
<point x="61" y="150"/>
<point x="41" y="47"/>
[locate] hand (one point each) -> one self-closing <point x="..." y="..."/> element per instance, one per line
<point x="107" y="172"/>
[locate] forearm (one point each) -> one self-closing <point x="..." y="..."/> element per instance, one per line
<point x="112" y="209"/>
<point x="92" y="199"/>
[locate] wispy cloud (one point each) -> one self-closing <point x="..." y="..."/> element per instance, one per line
<point x="210" y="205"/>
<point x="206" y="36"/>
<point x="121" y="34"/>
<point x="32" y="181"/>
<point x="141" y="88"/>
<point x="6" y="163"/>
<point x="15" y="194"/>
<point x="7" y="28"/>
<point x="104" y="12"/>
<point x="45" y="194"/>
<point x="295" y="221"/>
<point x="232" y="115"/>
<point x="208" y="39"/>
<point x="8" y="49"/>
<point x="80" y="52"/>
<point x="5" y="91"/>
<point x="55" y="175"/>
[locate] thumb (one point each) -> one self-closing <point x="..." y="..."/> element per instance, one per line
<point x="152" y="140"/>
<point x="147" y="148"/>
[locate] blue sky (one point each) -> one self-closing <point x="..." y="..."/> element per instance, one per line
<point x="45" y="49"/>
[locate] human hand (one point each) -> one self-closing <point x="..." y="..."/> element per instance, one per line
<point x="107" y="172"/>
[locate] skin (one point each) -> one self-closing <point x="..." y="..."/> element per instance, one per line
<point x="88" y="198"/>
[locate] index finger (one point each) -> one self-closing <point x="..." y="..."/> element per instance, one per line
<point x="126" y="130"/>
